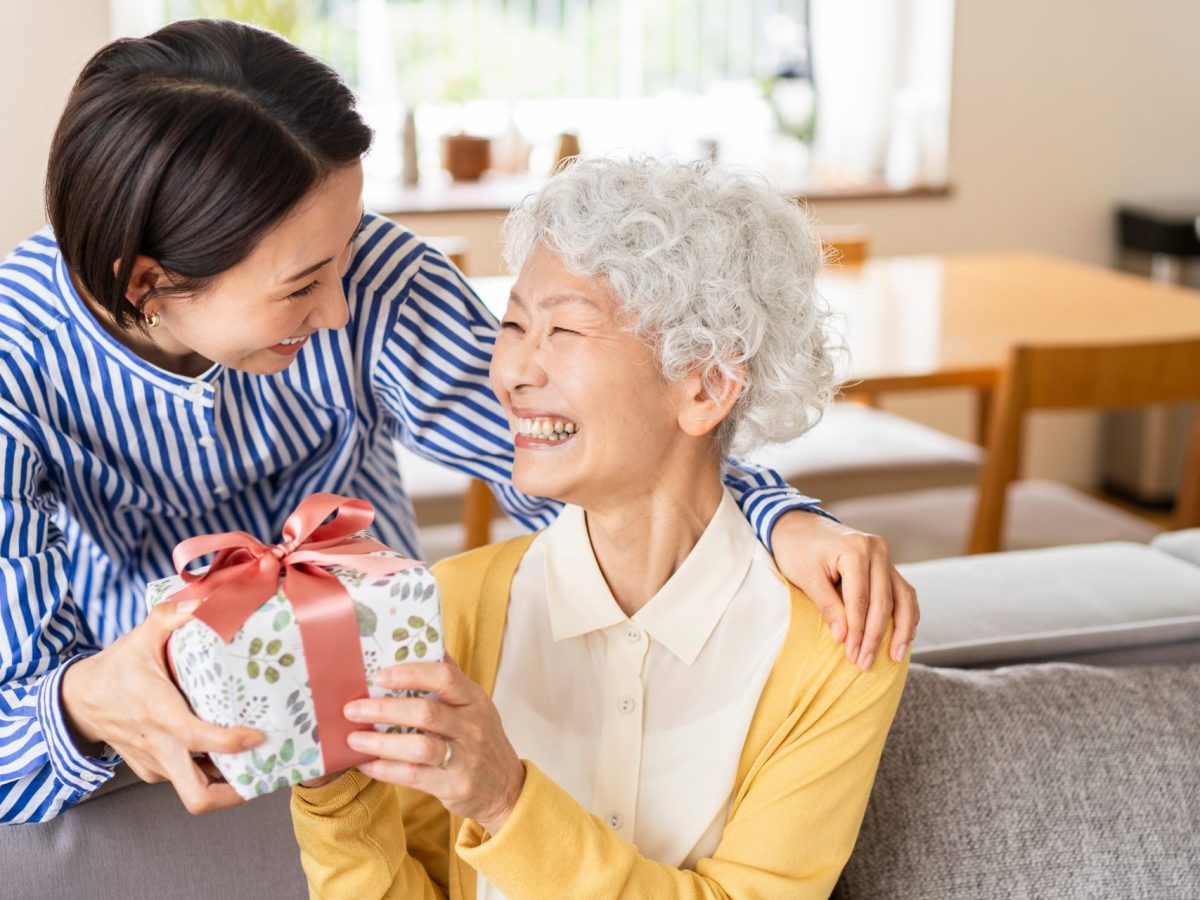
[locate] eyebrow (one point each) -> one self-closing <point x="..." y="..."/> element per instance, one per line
<point x="556" y="300"/>
<point x="357" y="228"/>
<point x="308" y="271"/>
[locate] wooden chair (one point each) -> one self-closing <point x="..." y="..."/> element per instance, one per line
<point x="1113" y="377"/>
<point x="479" y="508"/>
<point x="858" y="449"/>
<point x="932" y="524"/>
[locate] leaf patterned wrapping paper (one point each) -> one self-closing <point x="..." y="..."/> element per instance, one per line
<point x="260" y="679"/>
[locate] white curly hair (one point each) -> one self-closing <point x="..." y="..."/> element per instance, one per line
<point x="716" y="270"/>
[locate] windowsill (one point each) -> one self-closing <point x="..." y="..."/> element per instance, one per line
<point x="499" y="192"/>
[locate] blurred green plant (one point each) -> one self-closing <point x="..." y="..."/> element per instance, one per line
<point x="280" y="16"/>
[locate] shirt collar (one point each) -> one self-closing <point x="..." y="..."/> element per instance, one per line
<point x="684" y="612"/>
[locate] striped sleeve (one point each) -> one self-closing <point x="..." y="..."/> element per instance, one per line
<point x="41" y="770"/>
<point x="764" y="496"/>
<point x="433" y="376"/>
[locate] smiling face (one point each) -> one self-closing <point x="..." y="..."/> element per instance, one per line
<point x="259" y="314"/>
<point x="592" y="416"/>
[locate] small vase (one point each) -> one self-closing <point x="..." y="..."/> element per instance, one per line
<point x="465" y="156"/>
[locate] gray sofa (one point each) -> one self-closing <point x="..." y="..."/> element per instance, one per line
<point x="1055" y="779"/>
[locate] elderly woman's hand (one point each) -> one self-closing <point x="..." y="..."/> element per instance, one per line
<point x="818" y="554"/>
<point x="461" y="755"/>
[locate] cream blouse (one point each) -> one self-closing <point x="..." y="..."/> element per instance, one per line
<point x="642" y="720"/>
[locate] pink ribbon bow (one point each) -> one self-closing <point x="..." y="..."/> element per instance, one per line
<point x="245" y="575"/>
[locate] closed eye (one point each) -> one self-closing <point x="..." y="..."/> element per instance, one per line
<point x="511" y="326"/>
<point x="304" y="291"/>
<point x="557" y="330"/>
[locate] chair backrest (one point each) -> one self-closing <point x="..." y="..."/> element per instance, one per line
<point x="1084" y="377"/>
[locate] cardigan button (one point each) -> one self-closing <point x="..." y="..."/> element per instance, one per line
<point x="615" y="821"/>
<point x="627" y="704"/>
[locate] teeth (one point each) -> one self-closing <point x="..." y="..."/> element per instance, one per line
<point x="292" y="340"/>
<point x="546" y="429"/>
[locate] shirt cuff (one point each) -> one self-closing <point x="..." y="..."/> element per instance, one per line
<point x="768" y="504"/>
<point x="83" y="773"/>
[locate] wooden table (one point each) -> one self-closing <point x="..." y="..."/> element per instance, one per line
<point x="950" y="321"/>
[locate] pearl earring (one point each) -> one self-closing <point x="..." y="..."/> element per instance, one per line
<point x="150" y="320"/>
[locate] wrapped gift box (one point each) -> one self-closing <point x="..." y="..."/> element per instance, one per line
<point x="261" y="678"/>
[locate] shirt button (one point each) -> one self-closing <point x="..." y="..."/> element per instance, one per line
<point x="633" y="635"/>
<point x="627" y="704"/>
<point x="206" y="442"/>
<point x="220" y="490"/>
<point x="615" y="820"/>
<point x="196" y="390"/>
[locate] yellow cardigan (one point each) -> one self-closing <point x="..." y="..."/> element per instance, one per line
<point x="802" y="784"/>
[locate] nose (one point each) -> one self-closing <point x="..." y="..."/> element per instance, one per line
<point x="516" y="364"/>
<point x="331" y="311"/>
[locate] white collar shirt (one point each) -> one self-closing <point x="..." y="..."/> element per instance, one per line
<point x="641" y="719"/>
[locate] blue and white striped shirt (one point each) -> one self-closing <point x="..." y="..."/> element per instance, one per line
<point x="107" y="462"/>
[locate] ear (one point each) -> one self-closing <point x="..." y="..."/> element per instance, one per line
<point x="144" y="277"/>
<point x="703" y="410"/>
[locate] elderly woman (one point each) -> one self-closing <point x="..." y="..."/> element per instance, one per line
<point x="638" y="704"/>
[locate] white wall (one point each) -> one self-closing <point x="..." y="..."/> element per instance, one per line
<point x="42" y="48"/>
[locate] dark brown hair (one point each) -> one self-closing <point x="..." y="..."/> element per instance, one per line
<point x="187" y="146"/>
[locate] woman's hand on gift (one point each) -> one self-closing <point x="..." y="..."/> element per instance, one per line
<point x="124" y="697"/>
<point x="461" y="754"/>
<point x="821" y="556"/>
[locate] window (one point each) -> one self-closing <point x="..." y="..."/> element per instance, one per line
<point x="728" y="78"/>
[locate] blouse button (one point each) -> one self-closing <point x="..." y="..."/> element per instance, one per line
<point x="220" y="490"/>
<point x="196" y="389"/>
<point x="206" y="442"/>
<point x="615" y="820"/>
<point x="633" y="635"/>
<point x="627" y="704"/>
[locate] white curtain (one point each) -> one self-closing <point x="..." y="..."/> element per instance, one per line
<point x="882" y="70"/>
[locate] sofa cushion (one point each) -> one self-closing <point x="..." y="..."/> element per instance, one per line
<point x="1053" y="603"/>
<point x="1053" y="780"/>
<point x="1184" y="544"/>
<point x="134" y="840"/>
<point x="857" y="451"/>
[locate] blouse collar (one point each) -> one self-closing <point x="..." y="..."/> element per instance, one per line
<point x="684" y="612"/>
